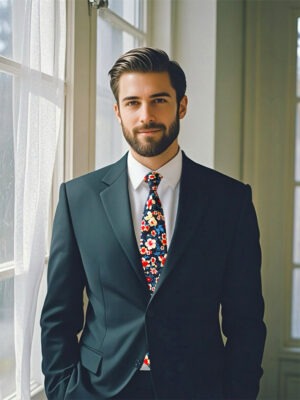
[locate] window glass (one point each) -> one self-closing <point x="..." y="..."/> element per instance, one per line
<point x="296" y="252"/>
<point x="5" y="28"/>
<point x="7" y="357"/>
<point x="297" y="146"/>
<point x="6" y="171"/>
<point x="296" y="304"/>
<point x="295" y="315"/>
<point x="130" y="10"/>
<point x="298" y="58"/>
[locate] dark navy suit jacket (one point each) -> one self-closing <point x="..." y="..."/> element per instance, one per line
<point x="213" y="263"/>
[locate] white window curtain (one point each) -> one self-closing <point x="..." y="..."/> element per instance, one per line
<point x="38" y="111"/>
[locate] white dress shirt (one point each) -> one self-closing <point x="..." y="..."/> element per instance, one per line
<point x="168" y="192"/>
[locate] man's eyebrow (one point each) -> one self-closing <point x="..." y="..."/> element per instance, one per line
<point x="128" y="98"/>
<point x="160" y="94"/>
<point x="152" y="96"/>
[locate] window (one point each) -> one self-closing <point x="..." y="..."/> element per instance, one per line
<point x="7" y="77"/>
<point x="32" y="49"/>
<point x="6" y="169"/>
<point x="119" y="28"/>
<point x="295" y="328"/>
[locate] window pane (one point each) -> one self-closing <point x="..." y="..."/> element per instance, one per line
<point x="6" y="171"/>
<point x="5" y="28"/>
<point x="296" y="304"/>
<point x="111" y="43"/>
<point x="7" y="355"/>
<point x="130" y="10"/>
<point x="298" y="58"/>
<point x="296" y="256"/>
<point x="297" y="145"/>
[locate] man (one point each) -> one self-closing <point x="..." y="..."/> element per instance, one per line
<point x="160" y="243"/>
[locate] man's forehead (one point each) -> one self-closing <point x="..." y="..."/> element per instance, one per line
<point x="145" y="83"/>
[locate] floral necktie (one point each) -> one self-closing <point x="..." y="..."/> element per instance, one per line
<point x="153" y="241"/>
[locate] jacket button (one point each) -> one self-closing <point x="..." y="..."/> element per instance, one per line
<point x="138" y="364"/>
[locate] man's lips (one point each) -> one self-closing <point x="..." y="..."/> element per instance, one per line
<point x="148" y="131"/>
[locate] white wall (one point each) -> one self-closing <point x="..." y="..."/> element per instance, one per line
<point x="193" y="45"/>
<point x="229" y="107"/>
<point x="195" y="38"/>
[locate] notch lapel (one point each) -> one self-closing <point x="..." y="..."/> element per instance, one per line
<point x="115" y="200"/>
<point x="193" y="200"/>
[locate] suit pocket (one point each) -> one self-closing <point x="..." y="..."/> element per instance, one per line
<point x="90" y="359"/>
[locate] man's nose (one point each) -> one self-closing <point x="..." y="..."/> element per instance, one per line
<point x="147" y="114"/>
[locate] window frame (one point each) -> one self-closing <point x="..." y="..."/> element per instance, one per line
<point x="12" y="68"/>
<point x="292" y="343"/>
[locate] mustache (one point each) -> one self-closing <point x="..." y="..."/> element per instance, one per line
<point x="151" y="125"/>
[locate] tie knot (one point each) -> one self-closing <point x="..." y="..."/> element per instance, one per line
<point x="153" y="179"/>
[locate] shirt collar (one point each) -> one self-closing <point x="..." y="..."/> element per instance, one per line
<point x="170" y="172"/>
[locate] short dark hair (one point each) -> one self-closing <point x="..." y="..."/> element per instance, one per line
<point x="147" y="59"/>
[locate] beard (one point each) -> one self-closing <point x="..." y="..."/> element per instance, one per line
<point x="151" y="146"/>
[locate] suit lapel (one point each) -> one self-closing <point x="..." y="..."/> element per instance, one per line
<point x="193" y="200"/>
<point x="115" y="200"/>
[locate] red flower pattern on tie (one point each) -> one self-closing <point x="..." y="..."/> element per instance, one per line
<point x="153" y="241"/>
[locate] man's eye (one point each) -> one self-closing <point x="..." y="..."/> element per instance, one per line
<point x="160" y="100"/>
<point x="131" y="103"/>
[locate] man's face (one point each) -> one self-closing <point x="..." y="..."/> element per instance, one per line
<point x="148" y="112"/>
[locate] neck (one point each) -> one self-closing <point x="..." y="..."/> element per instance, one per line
<point x="156" y="162"/>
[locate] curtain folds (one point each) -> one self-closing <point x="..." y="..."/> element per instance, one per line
<point x="39" y="112"/>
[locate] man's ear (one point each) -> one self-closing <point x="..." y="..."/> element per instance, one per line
<point x="183" y="107"/>
<point x="117" y="112"/>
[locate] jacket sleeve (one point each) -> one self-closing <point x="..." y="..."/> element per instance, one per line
<point x="243" y="308"/>
<point x="62" y="313"/>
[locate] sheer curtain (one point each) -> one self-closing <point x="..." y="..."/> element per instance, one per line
<point x="38" y="111"/>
